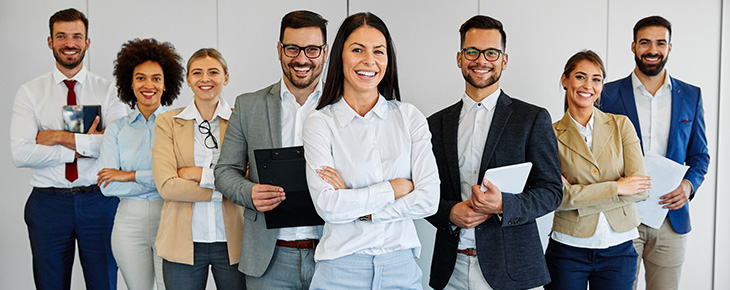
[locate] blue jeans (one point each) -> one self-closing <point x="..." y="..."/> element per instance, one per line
<point x="182" y="276"/>
<point x="290" y="268"/>
<point x="574" y="268"/>
<point x="396" y="270"/>
<point x="56" y="223"/>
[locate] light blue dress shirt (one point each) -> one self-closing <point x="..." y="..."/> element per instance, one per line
<point x="127" y="146"/>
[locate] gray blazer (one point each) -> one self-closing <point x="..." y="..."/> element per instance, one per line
<point x="254" y="124"/>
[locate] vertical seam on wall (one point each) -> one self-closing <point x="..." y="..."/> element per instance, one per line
<point x="347" y="6"/>
<point x="479" y="7"/>
<point x="88" y="59"/>
<point x="608" y="14"/>
<point x="217" y="26"/>
<point x="717" y="145"/>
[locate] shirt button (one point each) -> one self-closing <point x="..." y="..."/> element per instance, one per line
<point x="595" y="171"/>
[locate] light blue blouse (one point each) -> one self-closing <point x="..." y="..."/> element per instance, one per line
<point x="127" y="146"/>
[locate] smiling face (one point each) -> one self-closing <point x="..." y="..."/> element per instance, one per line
<point x="206" y="78"/>
<point x="651" y="49"/>
<point x="481" y="74"/>
<point x="364" y="61"/>
<point x="583" y="85"/>
<point x="148" y="84"/>
<point x="302" y="72"/>
<point x="69" y="43"/>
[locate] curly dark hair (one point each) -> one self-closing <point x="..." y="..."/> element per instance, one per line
<point x="136" y="52"/>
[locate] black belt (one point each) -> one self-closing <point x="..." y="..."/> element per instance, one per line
<point x="71" y="190"/>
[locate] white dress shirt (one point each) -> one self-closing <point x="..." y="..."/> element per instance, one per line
<point x="38" y="104"/>
<point x="655" y="114"/>
<point x="292" y="121"/>
<point x="391" y="141"/>
<point x="475" y="119"/>
<point x="207" y="223"/>
<point x="604" y="236"/>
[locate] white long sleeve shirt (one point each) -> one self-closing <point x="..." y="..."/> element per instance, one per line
<point x="207" y="221"/>
<point x="391" y="141"/>
<point x="38" y="105"/>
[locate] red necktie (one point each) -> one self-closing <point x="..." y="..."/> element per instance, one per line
<point x="72" y="172"/>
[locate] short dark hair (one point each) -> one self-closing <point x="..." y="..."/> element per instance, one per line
<point x="587" y="55"/>
<point x="68" y="15"/>
<point x="655" y="20"/>
<point x="334" y="85"/>
<point x="302" y="19"/>
<point x="483" y="22"/>
<point x="136" y="52"/>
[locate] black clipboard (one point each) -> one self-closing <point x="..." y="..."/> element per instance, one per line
<point x="285" y="167"/>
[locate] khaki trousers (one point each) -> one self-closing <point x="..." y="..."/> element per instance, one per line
<point x="663" y="253"/>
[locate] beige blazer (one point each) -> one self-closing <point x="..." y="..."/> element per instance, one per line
<point x="173" y="149"/>
<point x="593" y="174"/>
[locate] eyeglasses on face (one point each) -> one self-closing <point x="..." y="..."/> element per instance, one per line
<point x="204" y="128"/>
<point x="311" y="52"/>
<point x="490" y="54"/>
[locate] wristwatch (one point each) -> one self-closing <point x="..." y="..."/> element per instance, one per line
<point x="366" y="218"/>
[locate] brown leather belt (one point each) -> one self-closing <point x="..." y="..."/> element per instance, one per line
<point x="468" y="252"/>
<point x="302" y="244"/>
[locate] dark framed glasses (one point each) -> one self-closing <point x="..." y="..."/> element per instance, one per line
<point x="311" y="52"/>
<point x="490" y="54"/>
<point x="204" y="128"/>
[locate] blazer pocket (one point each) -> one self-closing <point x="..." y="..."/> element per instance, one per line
<point x="250" y="214"/>
<point x="523" y="252"/>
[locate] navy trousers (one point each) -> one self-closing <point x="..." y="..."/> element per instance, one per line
<point x="571" y="268"/>
<point x="57" y="222"/>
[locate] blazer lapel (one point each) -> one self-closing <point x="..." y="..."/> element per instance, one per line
<point x="626" y="91"/>
<point x="602" y="132"/>
<point x="569" y="136"/>
<point x="185" y="141"/>
<point x="449" y="128"/>
<point x="502" y="112"/>
<point x="273" y="107"/>
<point x="675" y="119"/>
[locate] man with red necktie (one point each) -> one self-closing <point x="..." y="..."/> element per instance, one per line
<point x="65" y="206"/>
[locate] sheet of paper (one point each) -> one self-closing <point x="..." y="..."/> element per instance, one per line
<point x="666" y="175"/>
<point x="510" y="178"/>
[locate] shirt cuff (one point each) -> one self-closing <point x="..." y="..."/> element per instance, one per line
<point x="207" y="179"/>
<point x="216" y="196"/>
<point x="67" y="155"/>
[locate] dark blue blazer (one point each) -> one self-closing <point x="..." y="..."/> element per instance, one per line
<point x="509" y="250"/>
<point x="687" y="140"/>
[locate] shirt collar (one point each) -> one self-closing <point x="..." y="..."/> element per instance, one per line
<point x="588" y="126"/>
<point x="137" y="115"/>
<point x="345" y="114"/>
<point x="223" y="111"/>
<point x="314" y="97"/>
<point x="489" y="102"/>
<point x="636" y="83"/>
<point x="59" y="77"/>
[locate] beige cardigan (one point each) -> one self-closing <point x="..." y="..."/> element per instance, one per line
<point x="173" y="149"/>
<point x="593" y="174"/>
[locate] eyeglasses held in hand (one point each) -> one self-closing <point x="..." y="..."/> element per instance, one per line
<point x="310" y="52"/>
<point x="490" y="54"/>
<point x="204" y="128"/>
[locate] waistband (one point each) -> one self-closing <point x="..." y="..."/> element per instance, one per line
<point x="301" y="244"/>
<point x="70" y="190"/>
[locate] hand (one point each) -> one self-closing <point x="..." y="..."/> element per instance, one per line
<point x="56" y="137"/>
<point x="110" y="174"/>
<point x="678" y="197"/>
<point x="190" y="173"/>
<point x="331" y="176"/>
<point x="267" y="197"/>
<point x="401" y="187"/>
<point x="93" y="130"/>
<point x="633" y="184"/>
<point x="565" y="181"/>
<point x="487" y="202"/>
<point x="464" y="216"/>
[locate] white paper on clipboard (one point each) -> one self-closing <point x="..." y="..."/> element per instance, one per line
<point x="510" y="178"/>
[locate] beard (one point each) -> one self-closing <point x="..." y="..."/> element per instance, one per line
<point x="650" y="70"/>
<point x="67" y="64"/>
<point x="300" y="83"/>
<point x="484" y="84"/>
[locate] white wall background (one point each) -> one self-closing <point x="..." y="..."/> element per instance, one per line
<point x="541" y="35"/>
